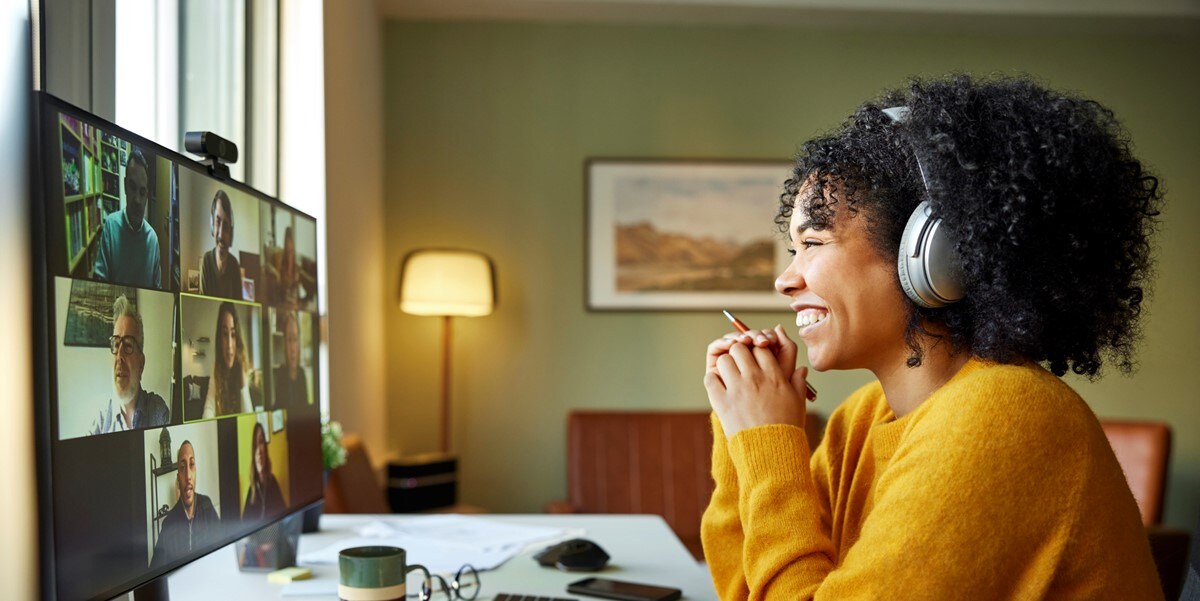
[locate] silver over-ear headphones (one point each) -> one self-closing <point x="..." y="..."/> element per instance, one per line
<point x="930" y="273"/>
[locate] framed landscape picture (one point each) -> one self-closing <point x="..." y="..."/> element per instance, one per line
<point x="90" y="312"/>
<point x="684" y="234"/>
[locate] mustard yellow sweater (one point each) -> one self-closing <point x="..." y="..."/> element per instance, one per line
<point x="1001" y="485"/>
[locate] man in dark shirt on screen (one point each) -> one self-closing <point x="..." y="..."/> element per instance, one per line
<point x="192" y="523"/>
<point x="220" y="274"/>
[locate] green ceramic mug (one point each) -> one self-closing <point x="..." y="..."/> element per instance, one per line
<point x="374" y="574"/>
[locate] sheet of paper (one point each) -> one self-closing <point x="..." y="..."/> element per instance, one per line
<point x="443" y="543"/>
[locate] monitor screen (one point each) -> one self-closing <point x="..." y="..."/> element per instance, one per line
<point x="178" y="409"/>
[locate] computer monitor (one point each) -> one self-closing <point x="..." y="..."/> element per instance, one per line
<point x="176" y="350"/>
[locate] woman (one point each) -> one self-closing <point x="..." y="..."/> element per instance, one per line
<point x="264" y="499"/>
<point x="228" y="388"/>
<point x="968" y="470"/>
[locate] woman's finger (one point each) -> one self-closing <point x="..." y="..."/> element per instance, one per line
<point x="714" y="385"/>
<point x="727" y="368"/>
<point x="743" y="356"/>
<point x="787" y="349"/>
<point x="717" y="348"/>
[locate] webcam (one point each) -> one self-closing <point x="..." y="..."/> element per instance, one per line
<point x="217" y="151"/>
<point x="210" y="145"/>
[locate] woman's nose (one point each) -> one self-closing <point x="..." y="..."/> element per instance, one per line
<point x="791" y="280"/>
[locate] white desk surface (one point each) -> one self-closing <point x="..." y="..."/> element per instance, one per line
<point x="642" y="549"/>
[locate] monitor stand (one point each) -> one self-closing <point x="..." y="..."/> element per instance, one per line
<point x="155" y="590"/>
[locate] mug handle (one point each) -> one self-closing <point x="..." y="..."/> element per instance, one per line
<point x="426" y="587"/>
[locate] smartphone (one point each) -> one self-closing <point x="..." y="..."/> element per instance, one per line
<point x="624" y="591"/>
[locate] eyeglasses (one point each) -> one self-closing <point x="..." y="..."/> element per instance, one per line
<point x="127" y="345"/>
<point x="464" y="587"/>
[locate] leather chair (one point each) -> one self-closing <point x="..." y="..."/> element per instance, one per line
<point x="354" y="487"/>
<point x="1143" y="449"/>
<point x="651" y="462"/>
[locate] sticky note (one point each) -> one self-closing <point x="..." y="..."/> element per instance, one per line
<point x="287" y="575"/>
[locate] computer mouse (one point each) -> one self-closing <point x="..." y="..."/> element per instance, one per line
<point x="575" y="555"/>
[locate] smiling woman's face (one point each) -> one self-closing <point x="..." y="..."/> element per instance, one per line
<point x="850" y="311"/>
<point x="228" y="340"/>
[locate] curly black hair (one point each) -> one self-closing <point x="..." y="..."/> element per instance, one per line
<point x="1049" y="212"/>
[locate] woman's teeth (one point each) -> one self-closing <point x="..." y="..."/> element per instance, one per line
<point x="807" y="319"/>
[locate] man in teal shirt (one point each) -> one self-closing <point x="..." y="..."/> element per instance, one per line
<point x="128" y="250"/>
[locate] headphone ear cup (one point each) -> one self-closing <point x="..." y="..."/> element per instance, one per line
<point x="930" y="274"/>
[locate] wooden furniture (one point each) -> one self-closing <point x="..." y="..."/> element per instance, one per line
<point x="354" y="487"/>
<point x="1143" y="448"/>
<point x="655" y="462"/>
<point x="91" y="184"/>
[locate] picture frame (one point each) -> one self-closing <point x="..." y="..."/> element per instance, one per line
<point x="683" y="235"/>
<point x="90" y="310"/>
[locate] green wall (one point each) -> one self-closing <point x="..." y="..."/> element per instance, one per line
<point x="488" y="125"/>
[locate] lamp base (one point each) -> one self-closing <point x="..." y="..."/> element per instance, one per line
<point x="422" y="482"/>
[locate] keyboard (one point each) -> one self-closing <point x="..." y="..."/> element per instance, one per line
<point x="514" y="597"/>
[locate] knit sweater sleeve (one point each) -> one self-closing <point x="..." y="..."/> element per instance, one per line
<point x="721" y="526"/>
<point x="975" y="502"/>
<point x="786" y="549"/>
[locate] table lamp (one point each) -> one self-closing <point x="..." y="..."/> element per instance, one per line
<point x="447" y="283"/>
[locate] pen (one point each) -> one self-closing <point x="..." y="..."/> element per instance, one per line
<point x="810" y="393"/>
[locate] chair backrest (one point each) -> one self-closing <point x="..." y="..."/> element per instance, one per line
<point x="654" y="462"/>
<point x="354" y="487"/>
<point x="1143" y="449"/>
<point x="642" y="462"/>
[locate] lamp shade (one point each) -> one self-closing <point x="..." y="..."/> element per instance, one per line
<point x="447" y="282"/>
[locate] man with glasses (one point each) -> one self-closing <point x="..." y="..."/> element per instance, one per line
<point x="130" y="407"/>
<point x="128" y="249"/>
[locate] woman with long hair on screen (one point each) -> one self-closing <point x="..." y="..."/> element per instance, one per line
<point x="228" y="387"/>
<point x="264" y="498"/>
<point x="968" y="469"/>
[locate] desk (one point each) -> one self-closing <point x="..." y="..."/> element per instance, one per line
<point x="642" y="549"/>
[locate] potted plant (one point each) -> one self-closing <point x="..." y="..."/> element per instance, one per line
<point x="333" y="455"/>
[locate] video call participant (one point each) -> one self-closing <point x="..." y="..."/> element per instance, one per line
<point x="220" y="274"/>
<point x="228" y="390"/>
<point x="128" y="249"/>
<point x="193" y="522"/>
<point x="134" y="407"/>
<point x="288" y="277"/>
<point x="291" y="387"/>
<point x="264" y="498"/>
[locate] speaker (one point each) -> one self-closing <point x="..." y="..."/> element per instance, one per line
<point x="422" y="482"/>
